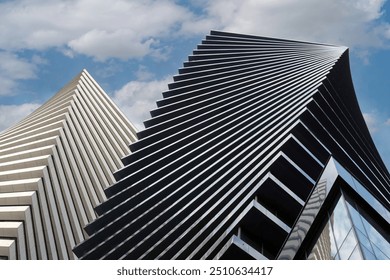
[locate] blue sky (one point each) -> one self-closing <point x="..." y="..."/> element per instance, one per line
<point x="132" y="48"/>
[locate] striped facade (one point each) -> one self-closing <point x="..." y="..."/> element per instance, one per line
<point x="54" y="167"/>
<point x="249" y="150"/>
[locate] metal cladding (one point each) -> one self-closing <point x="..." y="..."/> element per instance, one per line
<point x="233" y="152"/>
<point x="54" y="167"/>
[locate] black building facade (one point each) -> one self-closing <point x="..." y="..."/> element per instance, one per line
<point x="258" y="150"/>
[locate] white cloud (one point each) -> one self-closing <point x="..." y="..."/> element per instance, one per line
<point x="109" y="69"/>
<point x="16" y="67"/>
<point x="99" y="44"/>
<point x="97" y="28"/>
<point x="36" y="60"/>
<point x="137" y="98"/>
<point x="11" y="114"/>
<point x="143" y="74"/>
<point x="371" y="121"/>
<point x="12" y="69"/>
<point x="376" y="123"/>
<point x="130" y="29"/>
<point x="379" y="128"/>
<point x="385" y="29"/>
<point x="380" y="133"/>
<point x="347" y="22"/>
<point x="7" y="85"/>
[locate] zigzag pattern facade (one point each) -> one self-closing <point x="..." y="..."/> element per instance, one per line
<point x="54" y="167"/>
<point x="236" y="145"/>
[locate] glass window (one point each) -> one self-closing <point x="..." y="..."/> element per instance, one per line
<point x="355" y="216"/>
<point x="377" y="239"/>
<point x="363" y="240"/>
<point x="345" y="175"/>
<point x="371" y="200"/>
<point x="348" y="246"/>
<point x="325" y="247"/>
<point x="333" y="244"/>
<point x="356" y="254"/>
<point x="368" y="255"/>
<point x="348" y="234"/>
<point x="379" y="254"/>
<point x="340" y="222"/>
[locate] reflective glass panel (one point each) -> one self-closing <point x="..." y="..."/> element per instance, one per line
<point x="377" y="239"/>
<point x="345" y="174"/>
<point x="333" y="245"/>
<point x="357" y="221"/>
<point x="325" y="248"/>
<point x="363" y="240"/>
<point x="362" y="191"/>
<point x="348" y="234"/>
<point x="356" y="254"/>
<point x="379" y="254"/>
<point x="348" y="246"/>
<point x="340" y="222"/>
<point x="371" y="200"/>
<point x="368" y="255"/>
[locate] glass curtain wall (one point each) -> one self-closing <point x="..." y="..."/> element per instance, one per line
<point x="349" y="236"/>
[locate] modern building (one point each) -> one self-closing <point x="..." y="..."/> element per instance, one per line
<point x="258" y="150"/>
<point x="54" y="167"/>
